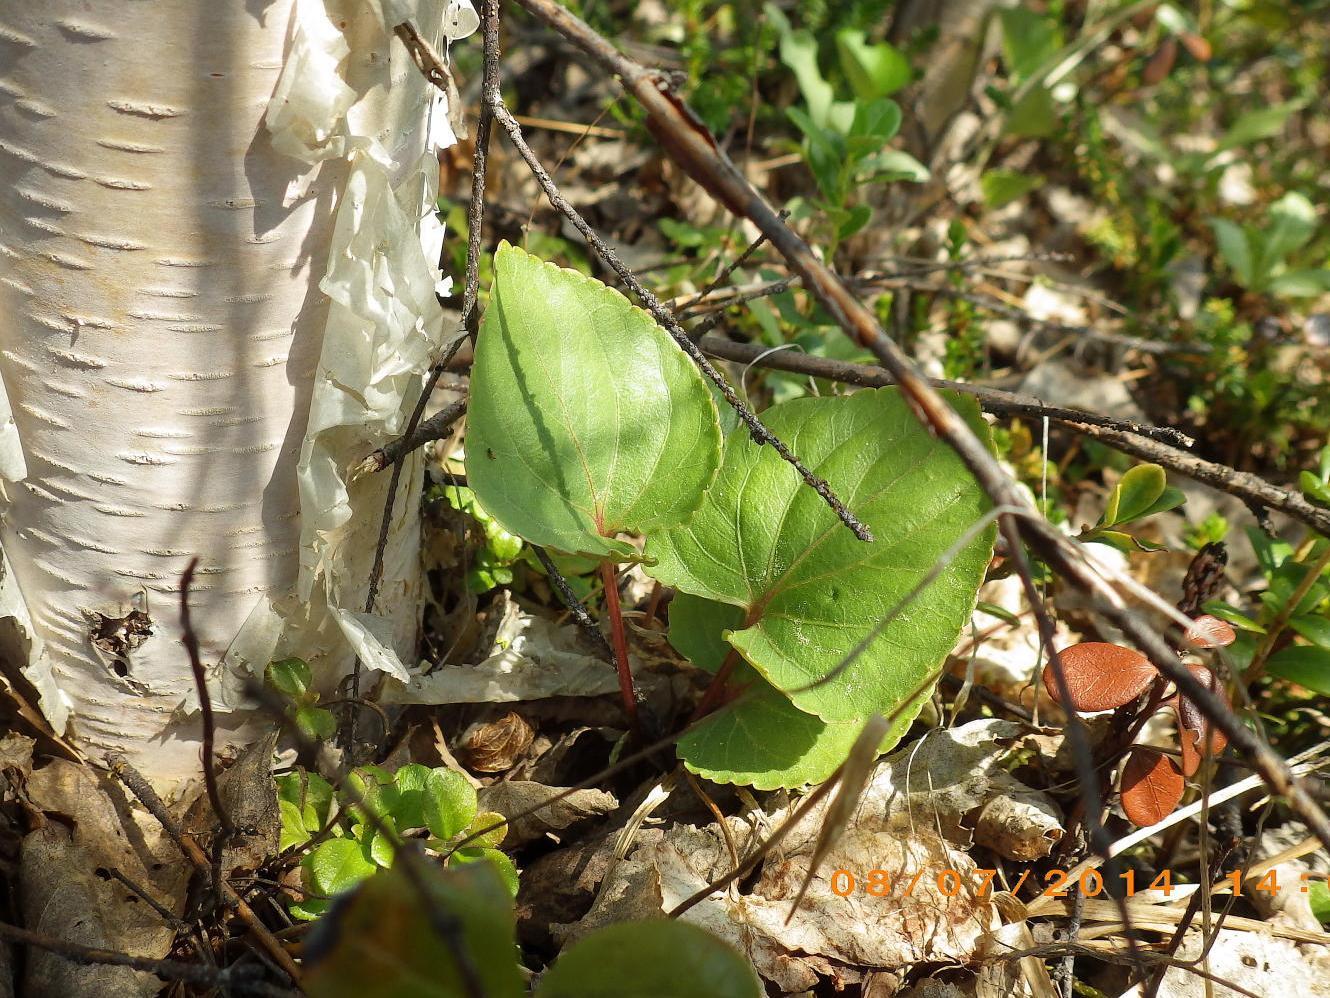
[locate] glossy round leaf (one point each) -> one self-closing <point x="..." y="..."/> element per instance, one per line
<point x="336" y="865"/>
<point x="503" y="865"/>
<point x="497" y="830"/>
<point x="448" y="803"/>
<point x="290" y="676"/>
<point x="658" y="958"/>
<point x="1100" y="676"/>
<point x="586" y="419"/>
<point x="1152" y="785"/>
<point x="765" y="542"/>
<point x="410" y="781"/>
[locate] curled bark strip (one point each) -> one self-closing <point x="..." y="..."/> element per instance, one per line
<point x="1152" y="785"/>
<point x="1101" y="676"/>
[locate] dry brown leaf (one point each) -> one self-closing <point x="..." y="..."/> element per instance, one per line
<point x="1210" y="632"/>
<point x="98" y="828"/>
<point x="496" y="746"/>
<point x="515" y="796"/>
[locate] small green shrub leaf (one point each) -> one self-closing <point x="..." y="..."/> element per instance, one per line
<point x="873" y="69"/>
<point x="411" y="781"/>
<point x="1234" y="616"/>
<point x="449" y="803"/>
<point x="809" y="590"/>
<point x="290" y="676"/>
<point x="1290" y="222"/>
<point x="1301" y="283"/>
<point x="1235" y="249"/>
<point x="502" y="864"/>
<point x="1314" y="629"/>
<point x="1305" y="665"/>
<point x="586" y="419"/>
<point x="659" y="958"/>
<point x="335" y="866"/>
<point x="315" y="723"/>
<point x="1136" y="493"/>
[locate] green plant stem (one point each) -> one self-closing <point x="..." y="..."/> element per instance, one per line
<point x="1257" y="667"/>
<point x="620" y="644"/>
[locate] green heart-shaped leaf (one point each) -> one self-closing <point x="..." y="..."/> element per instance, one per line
<point x="809" y="590"/>
<point x="586" y="419"/>
<point x="760" y="739"/>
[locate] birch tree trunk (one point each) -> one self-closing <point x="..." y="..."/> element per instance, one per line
<point x="214" y="298"/>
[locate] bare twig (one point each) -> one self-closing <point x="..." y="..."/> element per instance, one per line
<point x="575" y="606"/>
<point x="720" y="279"/>
<point x="225" y="829"/>
<point x="687" y="142"/>
<point x="435" y="428"/>
<point x="992" y="400"/>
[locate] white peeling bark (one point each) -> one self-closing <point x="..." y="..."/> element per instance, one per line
<point x="162" y="338"/>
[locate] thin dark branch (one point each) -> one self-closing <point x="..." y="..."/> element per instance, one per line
<point x="436" y="427"/>
<point x="689" y="144"/>
<point x="986" y="696"/>
<point x="165" y="914"/>
<point x="575" y="606"/>
<point x="724" y="276"/>
<point x="909" y="278"/>
<point x="994" y="400"/>
<point x="991" y="304"/>
<point x="225" y="828"/>
<point x="665" y="318"/>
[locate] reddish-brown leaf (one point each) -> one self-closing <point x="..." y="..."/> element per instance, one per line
<point x="1152" y="785"/>
<point x="1161" y="63"/>
<point x="1101" y="676"/>
<point x="1196" y="45"/>
<point x="1196" y="735"/>
<point x="1209" y="632"/>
